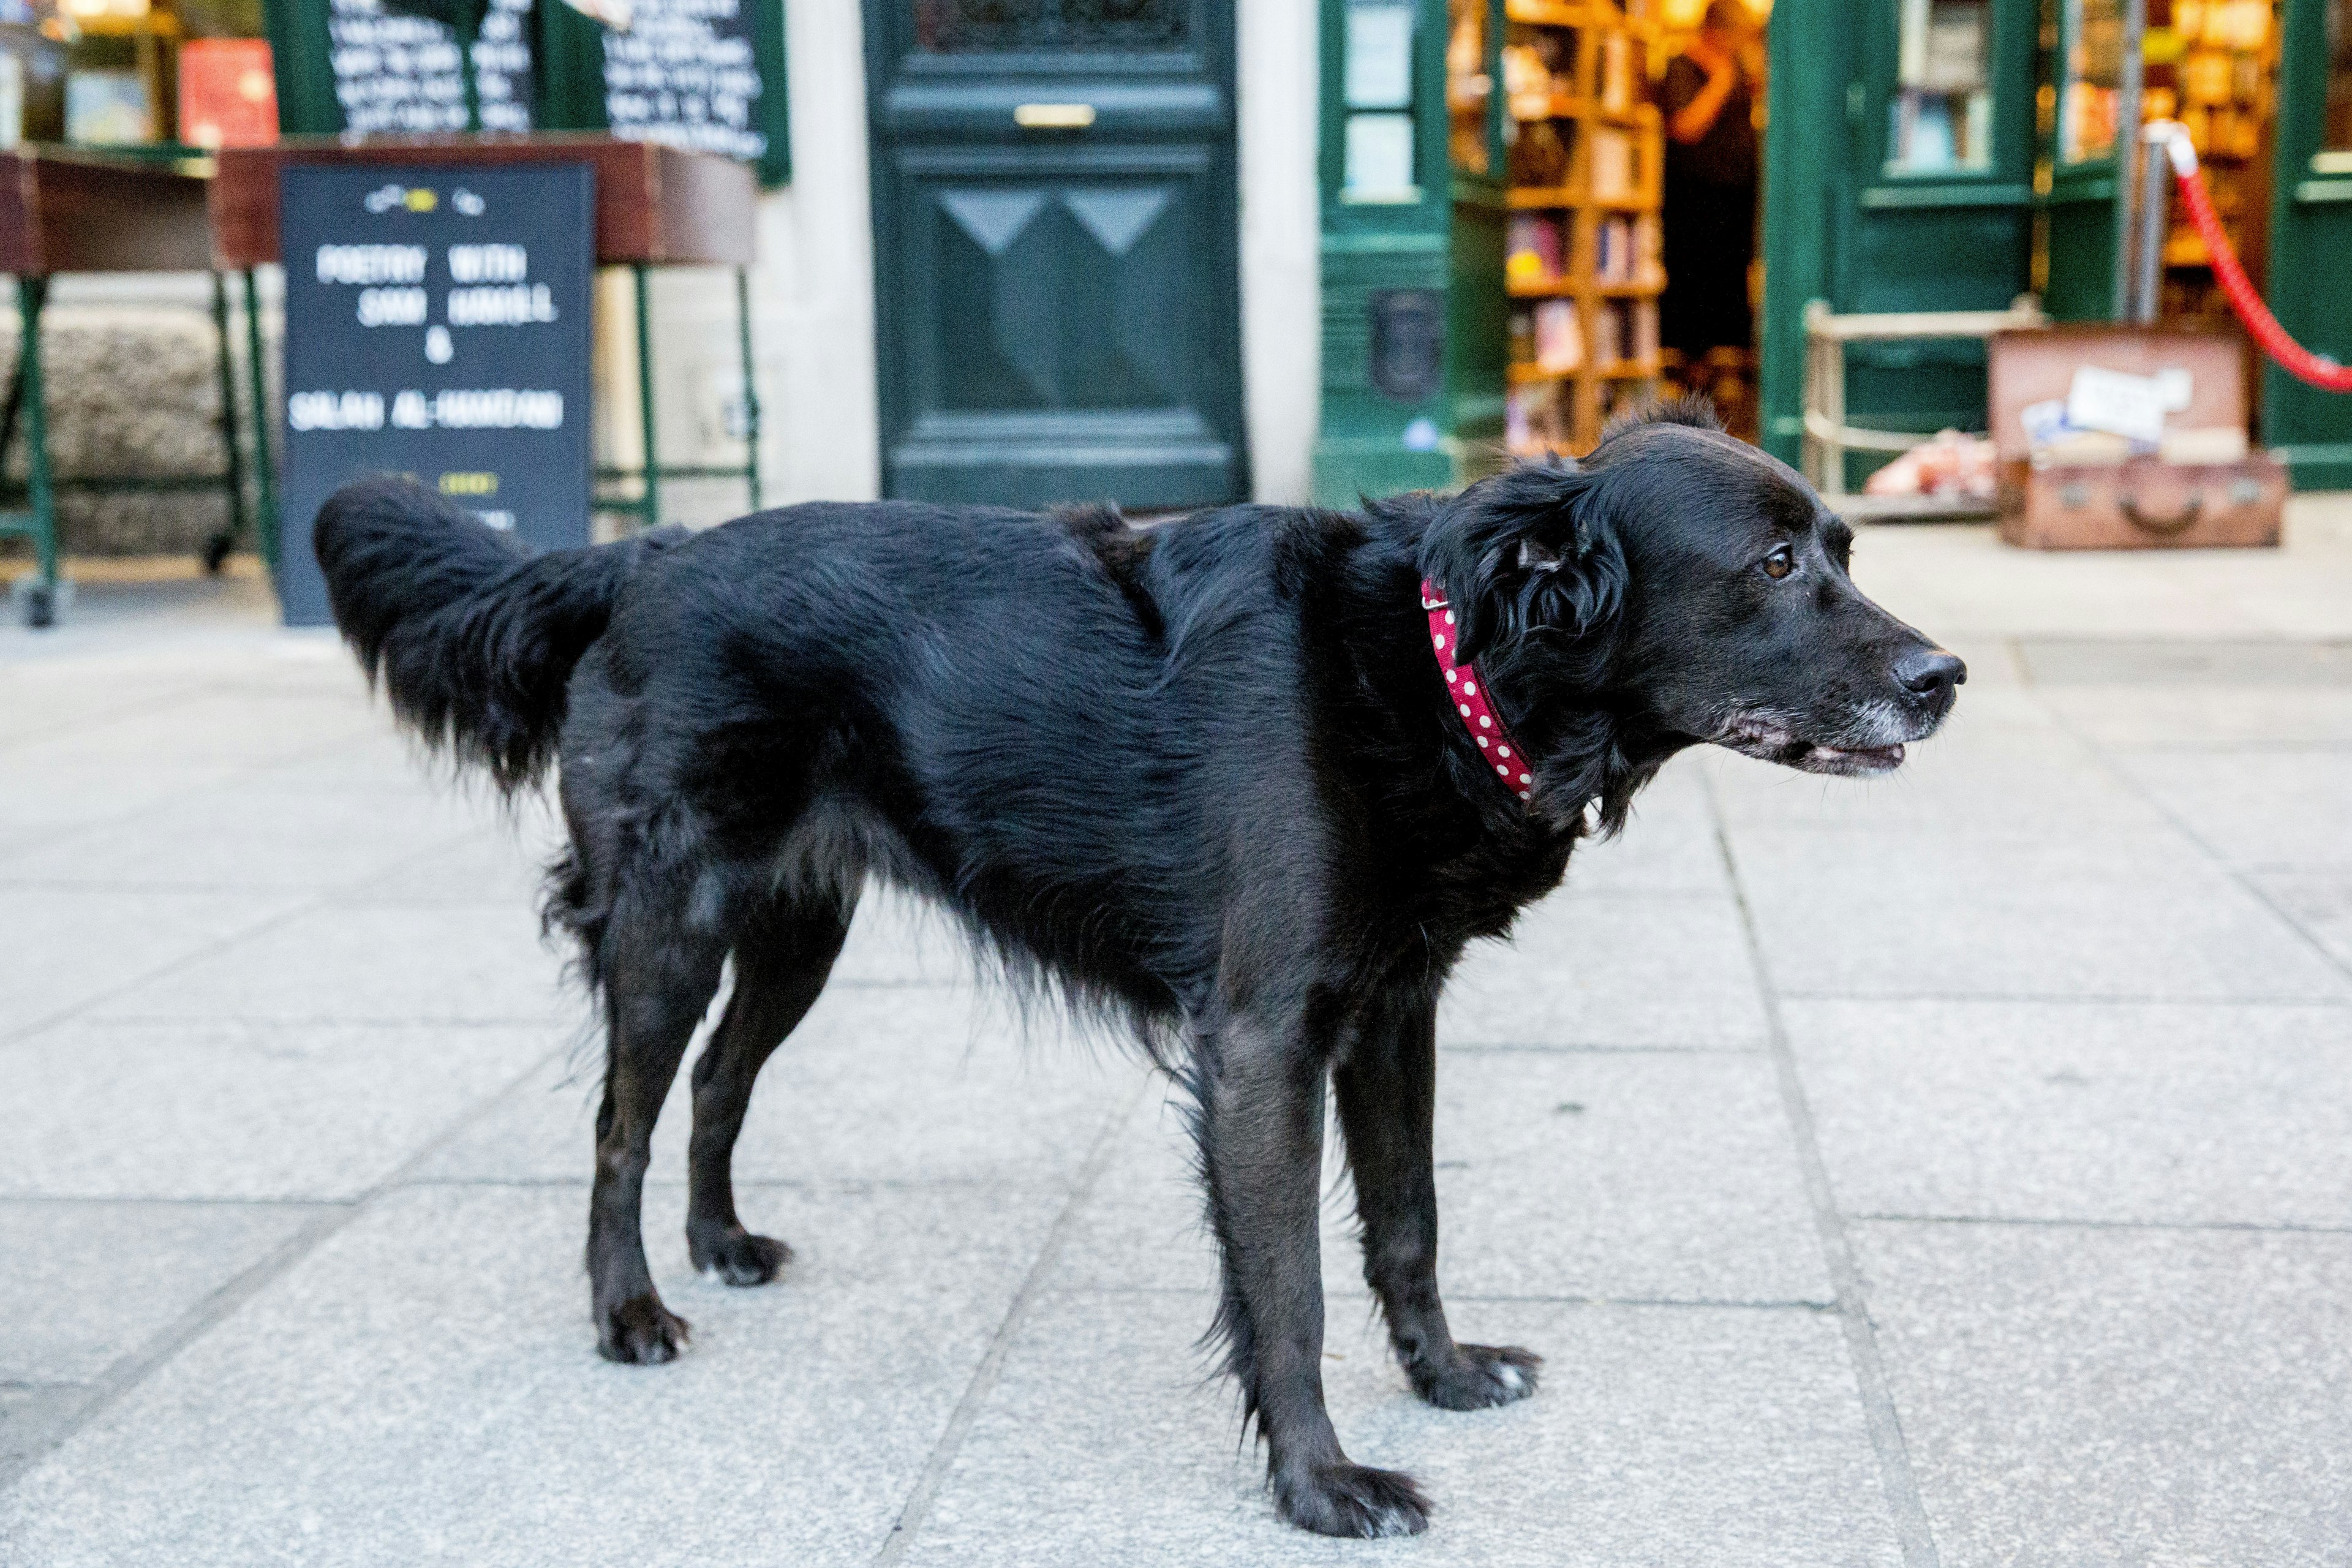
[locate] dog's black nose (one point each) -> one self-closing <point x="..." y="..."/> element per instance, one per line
<point x="1930" y="673"/>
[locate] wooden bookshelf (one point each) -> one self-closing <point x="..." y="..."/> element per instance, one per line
<point x="1582" y="65"/>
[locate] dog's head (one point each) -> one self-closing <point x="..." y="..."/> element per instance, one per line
<point x="1696" y="587"/>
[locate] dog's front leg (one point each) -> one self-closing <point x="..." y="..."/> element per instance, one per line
<point x="1387" y="1094"/>
<point x="1261" y="1130"/>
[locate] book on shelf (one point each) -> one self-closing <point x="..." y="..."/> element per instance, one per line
<point x="1559" y="346"/>
<point x="1612" y="164"/>
<point x="1533" y="252"/>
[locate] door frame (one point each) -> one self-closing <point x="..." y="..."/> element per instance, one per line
<point x="2311" y="191"/>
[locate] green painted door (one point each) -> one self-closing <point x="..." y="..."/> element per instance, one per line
<point x="2087" y="150"/>
<point x="2311" y="239"/>
<point x="1055" y="251"/>
<point x="1898" y="176"/>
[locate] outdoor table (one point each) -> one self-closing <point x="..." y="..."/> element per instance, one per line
<point x="656" y="206"/>
<point x="65" y="210"/>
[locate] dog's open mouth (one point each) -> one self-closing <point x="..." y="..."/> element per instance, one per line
<point x="1772" y="743"/>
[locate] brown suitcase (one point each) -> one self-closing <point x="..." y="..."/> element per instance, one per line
<point x="2143" y="502"/>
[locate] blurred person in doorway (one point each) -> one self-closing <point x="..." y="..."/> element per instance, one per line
<point x="1709" y="98"/>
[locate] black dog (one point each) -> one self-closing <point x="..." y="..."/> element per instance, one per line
<point x="1222" y="777"/>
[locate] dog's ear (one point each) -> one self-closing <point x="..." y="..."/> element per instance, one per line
<point x="1532" y="550"/>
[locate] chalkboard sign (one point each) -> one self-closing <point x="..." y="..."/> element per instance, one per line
<point x="394" y="66"/>
<point x="707" y="74"/>
<point x="694" y="73"/>
<point x="437" y="325"/>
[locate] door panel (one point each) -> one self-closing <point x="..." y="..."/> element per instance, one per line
<point x="1056" y="303"/>
<point x="2311" y="235"/>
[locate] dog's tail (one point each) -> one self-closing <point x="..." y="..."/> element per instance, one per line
<point x="473" y="636"/>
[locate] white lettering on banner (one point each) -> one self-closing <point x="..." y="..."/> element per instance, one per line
<point x="515" y="307"/>
<point x="370" y="264"/>
<point x="335" y="411"/>
<point x="391" y="306"/>
<point x="489" y="264"/>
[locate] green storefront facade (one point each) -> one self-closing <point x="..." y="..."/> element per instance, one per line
<point x="1880" y="194"/>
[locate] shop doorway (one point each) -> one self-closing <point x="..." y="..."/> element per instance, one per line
<point x="1055" y="250"/>
<point x="1953" y="154"/>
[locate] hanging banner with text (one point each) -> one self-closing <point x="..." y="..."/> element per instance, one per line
<point x="436" y="326"/>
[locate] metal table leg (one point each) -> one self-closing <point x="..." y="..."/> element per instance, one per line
<point x="650" y="517"/>
<point x="216" y="548"/>
<point x="265" y="472"/>
<point x="751" y="386"/>
<point x="40" y="493"/>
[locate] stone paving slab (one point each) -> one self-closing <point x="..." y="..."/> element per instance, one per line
<point x="68" y="947"/>
<point x="245" y="838"/>
<point x="2120" y="915"/>
<point x="2182" y="718"/>
<point x="424" y="1387"/>
<point x="2178" y="1113"/>
<point x="88" y="1282"/>
<point x="349" y="963"/>
<point x="878" y="1084"/>
<point x="2078" y="1395"/>
<point x="1598" y="970"/>
<point x="1672" y="1178"/>
<point x="2318" y="902"/>
<point x="2003" y="765"/>
<point x="2258" y="810"/>
<point x="235" y="1109"/>
<point x="1662" y="1434"/>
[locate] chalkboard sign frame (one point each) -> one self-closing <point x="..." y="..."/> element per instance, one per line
<point x="568" y="70"/>
<point x="364" y="395"/>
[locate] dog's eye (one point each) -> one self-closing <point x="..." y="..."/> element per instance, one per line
<point x="1780" y="562"/>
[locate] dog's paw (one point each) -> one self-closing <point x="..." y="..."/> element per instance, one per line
<point x="737" y="1257"/>
<point x="1351" y="1501"/>
<point x="1478" y="1377"/>
<point x="640" y="1331"/>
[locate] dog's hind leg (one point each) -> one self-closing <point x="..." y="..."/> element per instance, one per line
<point x="661" y="967"/>
<point x="781" y="961"/>
<point x="1387" y="1091"/>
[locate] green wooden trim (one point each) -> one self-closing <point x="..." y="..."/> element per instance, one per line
<point x="1996" y="193"/>
<point x="301" y="57"/>
<point x="2309" y="231"/>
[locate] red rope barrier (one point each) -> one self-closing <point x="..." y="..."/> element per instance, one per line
<point x="2298" y="362"/>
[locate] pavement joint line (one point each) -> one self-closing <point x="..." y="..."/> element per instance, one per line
<point x="2046" y="1222"/>
<point x="2236" y="873"/>
<point x="138" y="709"/>
<point x="1900" y="1486"/>
<point x="2066" y="998"/>
<point x="149" y="1201"/>
<point x="1490" y="1048"/>
<point x="916" y="1511"/>
<point x="233" y="777"/>
<point x="130" y="1370"/>
<point x="1504" y="1298"/>
<point x="305" y="904"/>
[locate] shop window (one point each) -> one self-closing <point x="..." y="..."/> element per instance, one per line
<point x="1376" y="89"/>
<point x="2093" y="80"/>
<point x="135" y="73"/>
<point x="1939" y="117"/>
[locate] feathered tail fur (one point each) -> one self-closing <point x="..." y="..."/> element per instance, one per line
<point x="473" y="638"/>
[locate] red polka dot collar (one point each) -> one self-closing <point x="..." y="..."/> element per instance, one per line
<point x="1468" y="690"/>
